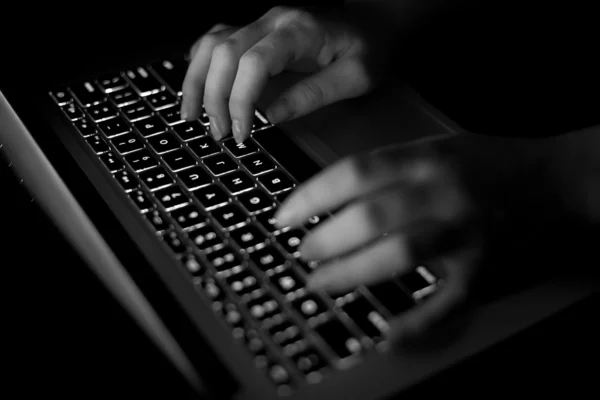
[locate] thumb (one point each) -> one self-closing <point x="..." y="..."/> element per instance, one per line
<point x="343" y="79"/>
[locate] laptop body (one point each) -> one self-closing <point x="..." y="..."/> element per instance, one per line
<point x="375" y="374"/>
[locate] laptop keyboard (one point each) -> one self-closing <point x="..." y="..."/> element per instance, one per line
<point x="211" y="203"/>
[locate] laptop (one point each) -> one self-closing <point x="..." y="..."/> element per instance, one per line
<point x="205" y="273"/>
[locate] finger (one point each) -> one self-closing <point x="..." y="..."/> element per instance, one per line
<point x="222" y="72"/>
<point x="375" y="263"/>
<point x="267" y="58"/>
<point x="423" y="320"/>
<point x="193" y="84"/>
<point x="342" y="79"/>
<point x="344" y="181"/>
<point x="361" y="223"/>
<point x="215" y="29"/>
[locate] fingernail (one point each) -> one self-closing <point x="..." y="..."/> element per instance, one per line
<point x="279" y="111"/>
<point x="215" y="128"/>
<point x="283" y="216"/>
<point x="237" y="131"/>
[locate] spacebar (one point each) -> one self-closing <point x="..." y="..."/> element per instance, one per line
<point x="287" y="153"/>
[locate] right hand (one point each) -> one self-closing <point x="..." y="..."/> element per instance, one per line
<point x="230" y="67"/>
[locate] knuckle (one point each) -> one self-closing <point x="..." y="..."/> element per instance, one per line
<point x="209" y="40"/>
<point x="254" y="59"/>
<point x="311" y="94"/>
<point x="225" y="50"/>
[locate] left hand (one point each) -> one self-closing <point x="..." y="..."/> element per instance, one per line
<point x="402" y="205"/>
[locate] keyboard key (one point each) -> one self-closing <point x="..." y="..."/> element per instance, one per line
<point x="413" y="281"/>
<point x="161" y="100"/>
<point x="112" y="83"/>
<point x="136" y="111"/>
<point x="171" y="115"/>
<point x="267" y="220"/>
<point x="150" y="126"/>
<point x="189" y="216"/>
<point x="259" y="121"/>
<point x="314" y="221"/>
<point x="158" y="221"/>
<point x="241" y="149"/>
<point x="248" y="236"/>
<point x="391" y="296"/>
<point x="111" y="161"/>
<point x="276" y="181"/>
<point x="229" y="215"/>
<point x="141" y="200"/>
<point x="285" y="332"/>
<point x="309" y="306"/>
<point x="204" y="147"/>
<point x="179" y="159"/>
<point x="174" y="241"/>
<point x="339" y="338"/>
<point x="101" y="111"/>
<point x="263" y="307"/>
<point x="282" y="196"/>
<point x="73" y="111"/>
<point x="85" y="127"/>
<point x="243" y="282"/>
<point x="309" y="361"/>
<point x="97" y="144"/>
<point x="278" y="374"/>
<point x="195" y="177"/>
<point x="114" y="127"/>
<point x="267" y="258"/>
<point x="62" y="96"/>
<point x="205" y="237"/>
<point x="366" y="317"/>
<point x="124" y="97"/>
<point x="156" y="178"/>
<point x="238" y="182"/>
<point x="255" y="200"/>
<point x="141" y="160"/>
<point x="204" y="120"/>
<point x="127" y="143"/>
<point x="287" y="281"/>
<point x="189" y="130"/>
<point x="192" y="265"/>
<point x="171" y="197"/>
<point x="220" y="164"/>
<point x="126" y="180"/>
<point x="87" y="93"/>
<point x="258" y="163"/>
<point x="163" y="142"/>
<point x="213" y="290"/>
<point x="224" y="259"/>
<point x="307" y="266"/>
<point x="172" y="72"/>
<point x="291" y="241"/>
<point x="143" y="81"/>
<point x="211" y="196"/>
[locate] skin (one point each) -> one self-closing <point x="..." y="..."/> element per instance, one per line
<point x="398" y="205"/>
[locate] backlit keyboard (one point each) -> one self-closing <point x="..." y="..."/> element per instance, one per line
<point x="211" y="203"/>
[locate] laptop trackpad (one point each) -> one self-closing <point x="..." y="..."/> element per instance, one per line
<point x="390" y="114"/>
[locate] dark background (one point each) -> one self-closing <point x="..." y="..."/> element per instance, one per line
<point x="66" y="336"/>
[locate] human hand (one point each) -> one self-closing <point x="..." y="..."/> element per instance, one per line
<point x="451" y="204"/>
<point x="230" y="67"/>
